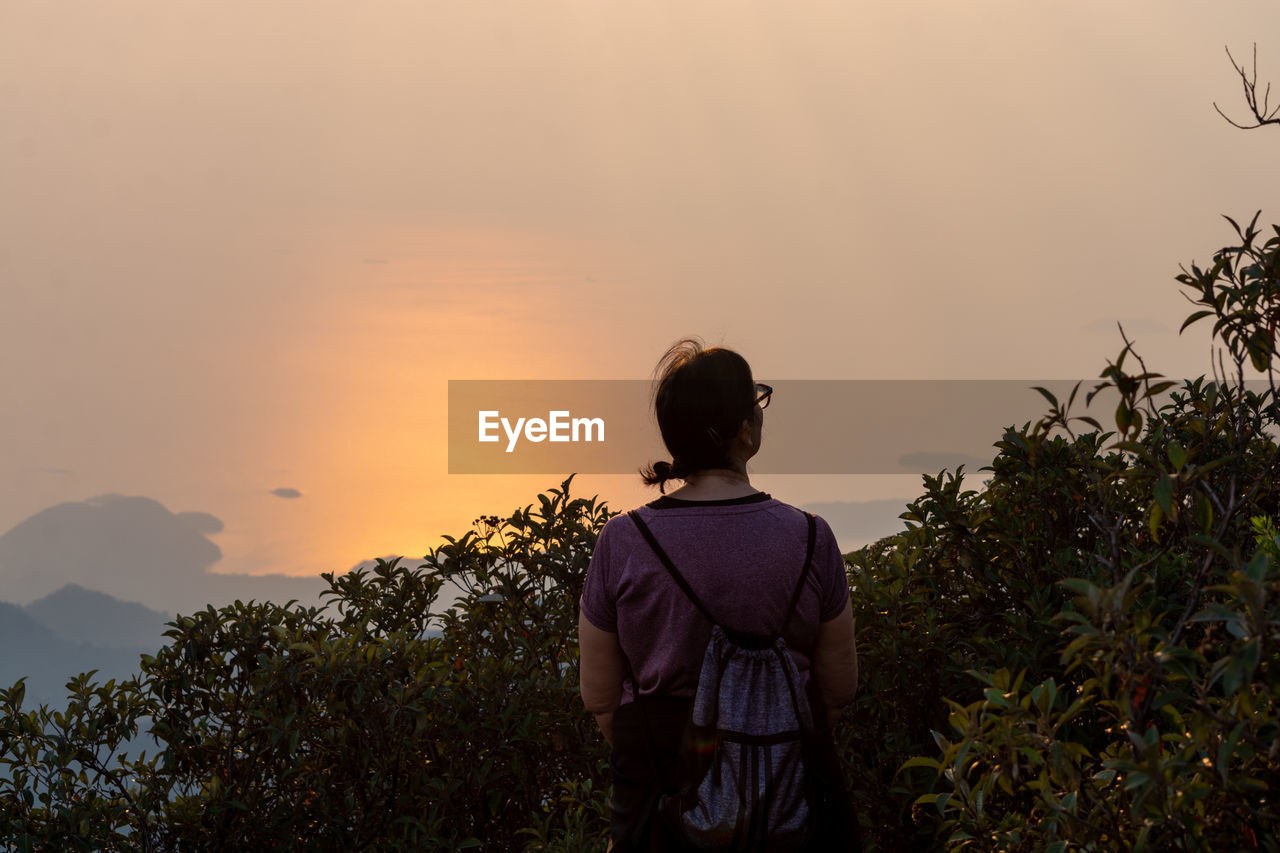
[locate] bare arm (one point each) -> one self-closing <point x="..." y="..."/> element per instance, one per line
<point x="835" y="663"/>
<point x="601" y="663"/>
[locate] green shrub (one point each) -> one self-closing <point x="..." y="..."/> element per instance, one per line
<point x="1100" y="618"/>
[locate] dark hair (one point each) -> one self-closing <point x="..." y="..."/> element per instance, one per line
<point x="702" y="396"/>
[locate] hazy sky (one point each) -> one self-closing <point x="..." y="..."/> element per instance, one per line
<point x="245" y="245"/>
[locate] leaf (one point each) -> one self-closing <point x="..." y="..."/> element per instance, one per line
<point x="1136" y="779"/>
<point x="996" y="697"/>
<point x="1199" y="315"/>
<point x="1209" y="466"/>
<point x="1210" y="542"/>
<point x="1164" y="494"/>
<point x="1053" y="401"/>
<point x="1256" y="569"/>
<point x="1091" y="422"/>
<point x="1228" y="749"/>
<point x="1204" y="513"/>
<point x="1215" y="612"/>
<point x="1079" y="586"/>
<point x="1123" y="417"/>
<point x="1248" y="654"/>
<point x="1135" y="447"/>
<point x="1232" y="676"/>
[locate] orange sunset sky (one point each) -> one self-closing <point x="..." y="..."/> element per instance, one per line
<point x="245" y="245"/>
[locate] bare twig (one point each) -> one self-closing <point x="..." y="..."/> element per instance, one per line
<point x="1146" y="375"/>
<point x="1262" y="113"/>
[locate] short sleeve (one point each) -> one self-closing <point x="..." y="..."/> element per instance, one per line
<point x="834" y="579"/>
<point x="599" y="600"/>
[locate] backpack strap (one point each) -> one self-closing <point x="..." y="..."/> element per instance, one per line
<point x="697" y="602"/>
<point x="671" y="567"/>
<point x="804" y="573"/>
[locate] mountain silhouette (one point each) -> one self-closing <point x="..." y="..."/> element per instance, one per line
<point x="48" y="661"/>
<point x="81" y="615"/>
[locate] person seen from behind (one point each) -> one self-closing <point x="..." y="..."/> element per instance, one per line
<point x="720" y="733"/>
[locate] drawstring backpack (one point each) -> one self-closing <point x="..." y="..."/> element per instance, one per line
<point x="745" y="780"/>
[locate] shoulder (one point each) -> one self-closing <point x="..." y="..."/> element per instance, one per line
<point x="616" y="535"/>
<point x="828" y="560"/>
<point x="824" y="533"/>
<point x="620" y="525"/>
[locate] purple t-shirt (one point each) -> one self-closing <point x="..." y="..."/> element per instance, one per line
<point x="742" y="557"/>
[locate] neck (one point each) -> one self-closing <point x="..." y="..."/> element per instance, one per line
<point x="727" y="475"/>
<point x="716" y="484"/>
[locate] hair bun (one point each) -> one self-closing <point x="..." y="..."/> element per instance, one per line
<point x="659" y="473"/>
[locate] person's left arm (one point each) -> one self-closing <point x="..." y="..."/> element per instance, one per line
<point x="601" y="665"/>
<point x="835" y="655"/>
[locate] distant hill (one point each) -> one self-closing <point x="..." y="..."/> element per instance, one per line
<point x="82" y="615"/>
<point x="21" y="631"/>
<point x="34" y="650"/>
<point x="75" y="630"/>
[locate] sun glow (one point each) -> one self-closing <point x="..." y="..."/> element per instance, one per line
<point x="390" y="317"/>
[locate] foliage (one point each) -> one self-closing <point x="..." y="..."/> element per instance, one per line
<point x="1100" y="617"/>
<point x="368" y="724"/>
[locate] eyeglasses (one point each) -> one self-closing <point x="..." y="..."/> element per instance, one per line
<point x="763" y="393"/>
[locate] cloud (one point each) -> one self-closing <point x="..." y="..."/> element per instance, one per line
<point x="135" y="549"/>
<point x="130" y="546"/>
<point x="286" y="493"/>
